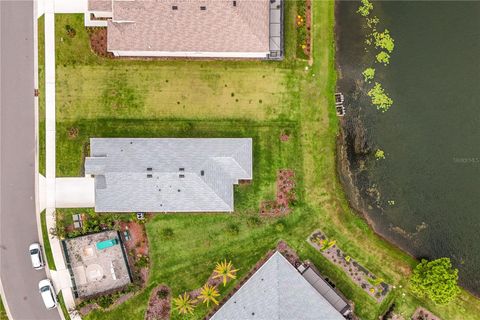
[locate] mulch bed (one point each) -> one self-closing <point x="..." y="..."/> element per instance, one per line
<point x="285" y="195"/>
<point x="159" y="307"/>
<point x="136" y="247"/>
<point x="308" y="25"/>
<point x="98" y="42"/>
<point x="424" y="314"/>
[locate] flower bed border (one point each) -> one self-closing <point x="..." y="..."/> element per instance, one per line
<point x="362" y="276"/>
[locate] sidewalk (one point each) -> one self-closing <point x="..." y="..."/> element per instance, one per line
<point x="61" y="276"/>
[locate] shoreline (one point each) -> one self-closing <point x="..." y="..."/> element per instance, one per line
<point x="352" y="152"/>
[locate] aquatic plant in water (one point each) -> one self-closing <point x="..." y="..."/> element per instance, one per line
<point x="379" y="98"/>
<point x="368" y="74"/>
<point x="383" y="57"/>
<point x="383" y="40"/>
<point x="365" y="9"/>
<point x="379" y="154"/>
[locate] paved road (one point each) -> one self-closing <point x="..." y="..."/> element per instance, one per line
<point x="18" y="226"/>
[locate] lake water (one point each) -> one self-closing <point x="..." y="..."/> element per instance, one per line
<point x="431" y="135"/>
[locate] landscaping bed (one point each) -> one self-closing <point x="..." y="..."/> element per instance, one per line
<point x="135" y="240"/>
<point x="424" y="314"/>
<point x="372" y="285"/>
<point x="98" y="41"/>
<point x="303" y="26"/>
<point x="159" y="304"/>
<point x="285" y="195"/>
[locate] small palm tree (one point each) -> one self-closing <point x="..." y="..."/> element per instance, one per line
<point x="209" y="293"/>
<point x="225" y="271"/>
<point x="184" y="304"/>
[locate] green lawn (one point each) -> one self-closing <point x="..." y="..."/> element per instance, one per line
<point x="46" y="242"/>
<point x="3" y="313"/>
<point x="117" y="98"/>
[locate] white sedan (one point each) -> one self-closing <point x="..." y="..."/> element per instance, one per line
<point x="36" y="256"/>
<point x="48" y="294"/>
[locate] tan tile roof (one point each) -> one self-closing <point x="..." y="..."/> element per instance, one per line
<point x="153" y="26"/>
<point x="100" y="5"/>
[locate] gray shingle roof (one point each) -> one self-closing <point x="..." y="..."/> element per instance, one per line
<point x="277" y="291"/>
<point x="167" y="175"/>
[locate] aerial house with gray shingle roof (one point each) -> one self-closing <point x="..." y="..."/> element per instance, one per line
<point x="277" y="291"/>
<point x="167" y="174"/>
<point x="190" y="28"/>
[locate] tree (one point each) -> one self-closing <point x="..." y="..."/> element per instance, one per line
<point x="368" y="74"/>
<point x="436" y="280"/>
<point x="225" y="271"/>
<point x="365" y="8"/>
<point x="209" y="294"/>
<point x="184" y="304"/>
<point x="379" y="98"/>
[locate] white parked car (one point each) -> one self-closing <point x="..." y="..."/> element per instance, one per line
<point x="48" y="293"/>
<point x="36" y="256"/>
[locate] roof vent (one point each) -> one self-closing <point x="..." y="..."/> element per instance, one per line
<point x="234" y="3"/>
<point x="181" y="169"/>
<point x="203" y="8"/>
<point x="202" y="173"/>
<point x="149" y="176"/>
<point x="182" y="176"/>
<point x="174" y="7"/>
<point x="149" y="169"/>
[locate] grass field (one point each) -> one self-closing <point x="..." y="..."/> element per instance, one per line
<point x="3" y="313"/>
<point x="46" y="242"/>
<point x="112" y="98"/>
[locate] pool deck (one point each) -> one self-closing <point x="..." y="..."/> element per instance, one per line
<point x="95" y="271"/>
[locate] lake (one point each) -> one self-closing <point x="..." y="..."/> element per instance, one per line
<point x="425" y="195"/>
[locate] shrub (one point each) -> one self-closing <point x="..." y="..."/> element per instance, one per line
<point x="225" y="271"/>
<point x="142" y="261"/>
<point x="254" y="220"/>
<point x="168" y="233"/>
<point x="184" y="304"/>
<point x="162" y="293"/>
<point x="436" y="280"/>
<point x="209" y="294"/>
<point x="71" y="32"/>
<point x="280" y="226"/>
<point x="233" y="228"/>
<point x="327" y="244"/>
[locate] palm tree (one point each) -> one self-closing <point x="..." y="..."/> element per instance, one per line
<point x="209" y="293"/>
<point x="225" y="270"/>
<point x="184" y="304"/>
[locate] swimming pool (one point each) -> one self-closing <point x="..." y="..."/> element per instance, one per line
<point x="107" y="244"/>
